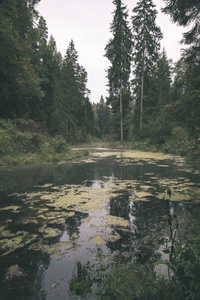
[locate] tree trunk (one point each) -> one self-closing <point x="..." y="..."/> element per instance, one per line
<point x="121" y="117"/>
<point x="142" y="96"/>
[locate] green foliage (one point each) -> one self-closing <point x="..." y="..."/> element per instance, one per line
<point x="59" y="144"/>
<point x="24" y="141"/>
<point x="186" y="271"/>
<point x="132" y="281"/>
<point x="118" y="50"/>
<point x="146" y="36"/>
<point x="80" y="283"/>
<point x="20" y="91"/>
<point x="179" y="142"/>
<point x="104" y="118"/>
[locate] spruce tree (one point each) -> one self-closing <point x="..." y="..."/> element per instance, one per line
<point x="74" y="81"/>
<point x="187" y="79"/>
<point x="104" y="118"/>
<point x="118" y="51"/>
<point x="146" y="41"/>
<point x="20" y="91"/>
<point x="164" y="70"/>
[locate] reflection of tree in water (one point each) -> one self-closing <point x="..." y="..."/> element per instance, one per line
<point x="119" y="206"/>
<point x="74" y="223"/>
<point x="147" y="229"/>
<point x="151" y="225"/>
<point x="27" y="282"/>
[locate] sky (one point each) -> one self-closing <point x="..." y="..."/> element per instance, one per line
<point x="87" y="23"/>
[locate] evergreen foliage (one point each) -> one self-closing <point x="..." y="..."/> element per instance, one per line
<point x="146" y="40"/>
<point x="35" y="81"/>
<point x="104" y="118"/>
<point x="118" y="51"/>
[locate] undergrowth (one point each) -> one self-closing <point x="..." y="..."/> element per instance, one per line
<point x="23" y="142"/>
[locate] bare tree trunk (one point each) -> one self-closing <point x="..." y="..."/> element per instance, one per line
<point x="121" y="117"/>
<point x="142" y="96"/>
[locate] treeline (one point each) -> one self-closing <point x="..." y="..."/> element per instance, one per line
<point x="36" y="82"/>
<point x="151" y="99"/>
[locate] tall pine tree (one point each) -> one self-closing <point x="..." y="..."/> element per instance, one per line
<point x="20" y="91"/>
<point x="74" y="81"/>
<point x="146" y="40"/>
<point x="118" y="51"/>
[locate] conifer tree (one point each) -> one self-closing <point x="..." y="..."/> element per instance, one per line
<point x="20" y="91"/>
<point x="164" y="79"/>
<point x="146" y="41"/>
<point x="118" y="51"/>
<point x="74" y="81"/>
<point x="104" y="118"/>
<point x="186" y="84"/>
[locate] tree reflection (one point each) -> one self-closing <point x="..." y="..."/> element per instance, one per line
<point x="74" y="223"/>
<point x="119" y="206"/>
<point x="27" y="284"/>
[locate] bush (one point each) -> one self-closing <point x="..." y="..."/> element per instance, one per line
<point x="179" y="142"/>
<point x="132" y="281"/>
<point x="59" y="144"/>
<point x="186" y="267"/>
<point x="28" y="142"/>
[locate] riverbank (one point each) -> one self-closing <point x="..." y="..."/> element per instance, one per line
<point x="24" y="142"/>
<point x="189" y="149"/>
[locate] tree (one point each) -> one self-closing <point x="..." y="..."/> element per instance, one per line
<point x="74" y="84"/>
<point x="118" y="51"/>
<point x="88" y="118"/>
<point x="146" y="42"/>
<point x="104" y="117"/>
<point x="20" y="91"/>
<point x="164" y="78"/>
<point x="54" y="110"/>
<point x="187" y="78"/>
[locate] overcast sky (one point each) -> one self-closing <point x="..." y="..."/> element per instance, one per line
<point x="87" y="22"/>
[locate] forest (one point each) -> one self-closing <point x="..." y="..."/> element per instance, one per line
<point x="153" y="103"/>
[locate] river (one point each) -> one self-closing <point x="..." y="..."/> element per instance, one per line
<point x="113" y="203"/>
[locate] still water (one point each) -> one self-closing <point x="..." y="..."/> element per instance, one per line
<point x="52" y="216"/>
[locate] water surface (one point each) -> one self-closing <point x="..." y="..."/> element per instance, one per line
<point x="52" y="216"/>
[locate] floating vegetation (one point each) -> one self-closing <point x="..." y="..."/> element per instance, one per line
<point x="49" y="232"/>
<point x="122" y="212"/>
<point x="116" y="221"/>
<point x="142" y="195"/>
<point x="98" y="240"/>
<point x="14" y="208"/>
<point x="13" y="271"/>
<point x="113" y="237"/>
<point x="17" y="241"/>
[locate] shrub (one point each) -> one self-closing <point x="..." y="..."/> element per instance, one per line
<point x="59" y="144"/>
<point x="179" y="142"/>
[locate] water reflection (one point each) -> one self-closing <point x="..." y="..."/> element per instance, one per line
<point x="53" y="215"/>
